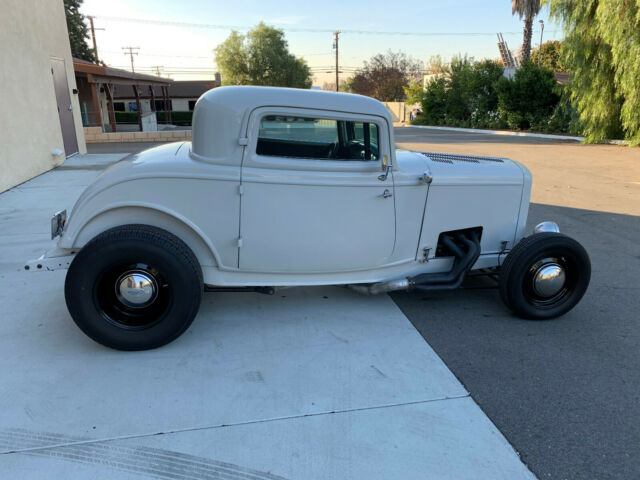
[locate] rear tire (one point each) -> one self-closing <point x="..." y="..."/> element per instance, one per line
<point x="134" y="287"/>
<point x="544" y="276"/>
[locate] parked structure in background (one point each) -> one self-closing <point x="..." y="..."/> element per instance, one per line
<point x="507" y="57"/>
<point x="96" y="90"/>
<point x="40" y="116"/>
<point x="182" y="96"/>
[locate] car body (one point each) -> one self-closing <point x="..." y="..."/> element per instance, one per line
<point x="287" y="187"/>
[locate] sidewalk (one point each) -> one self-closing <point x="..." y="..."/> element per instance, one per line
<point x="311" y="383"/>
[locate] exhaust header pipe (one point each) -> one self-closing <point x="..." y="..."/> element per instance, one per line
<point x="465" y="258"/>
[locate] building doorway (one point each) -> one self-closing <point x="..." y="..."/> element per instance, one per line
<point x="65" y="108"/>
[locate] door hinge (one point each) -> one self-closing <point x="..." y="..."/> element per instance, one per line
<point x="240" y="189"/>
<point x="243" y="141"/>
<point x="239" y="242"/>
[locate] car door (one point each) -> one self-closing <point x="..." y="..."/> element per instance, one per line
<point x="312" y="195"/>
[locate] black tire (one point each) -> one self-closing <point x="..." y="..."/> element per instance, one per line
<point x="518" y="288"/>
<point x="99" y="270"/>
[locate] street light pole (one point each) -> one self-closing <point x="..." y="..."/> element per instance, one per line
<point x="541" y="32"/>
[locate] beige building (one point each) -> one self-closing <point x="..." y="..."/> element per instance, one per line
<point x="40" y="122"/>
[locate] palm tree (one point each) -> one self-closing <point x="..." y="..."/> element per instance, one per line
<point x="527" y="9"/>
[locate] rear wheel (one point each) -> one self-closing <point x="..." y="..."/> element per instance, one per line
<point x="544" y="276"/>
<point x="134" y="287"/>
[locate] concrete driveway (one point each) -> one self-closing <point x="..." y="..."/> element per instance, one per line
<point x="565" y="393"/>
<point x="311" y="383"/>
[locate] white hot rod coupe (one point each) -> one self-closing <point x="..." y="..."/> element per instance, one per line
<point x="285" y="187"/>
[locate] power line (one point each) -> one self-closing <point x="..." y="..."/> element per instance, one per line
<point x="164" y="55"/>
<point x="291" y="29"/>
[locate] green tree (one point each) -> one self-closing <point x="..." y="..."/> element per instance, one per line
<point x="385" y="76"/>
<point x="414" y="93"/>
<point x="261" y="57"/>
<point x="550" y="56"/>
<point x="526" y="9"/>
<point x="602" y="50"/>
<point x="78" y="31"/>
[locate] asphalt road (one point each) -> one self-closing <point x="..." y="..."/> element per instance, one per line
<point x="566" y="392"/>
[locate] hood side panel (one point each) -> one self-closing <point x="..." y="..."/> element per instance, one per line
<point x="469" y="191"/>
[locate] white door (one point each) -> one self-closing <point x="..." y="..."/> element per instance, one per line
<point x="312" y="198"/>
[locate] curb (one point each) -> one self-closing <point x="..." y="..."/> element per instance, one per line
<point x="499" y="132"/>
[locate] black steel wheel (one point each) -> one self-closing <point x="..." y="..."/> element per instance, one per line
<point x="544" y="276"/>
<point x="134" y="287"/>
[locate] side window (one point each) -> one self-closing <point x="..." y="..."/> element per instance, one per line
<point x="316" y="138"/>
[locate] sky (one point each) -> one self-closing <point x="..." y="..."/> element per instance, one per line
<point x="179" y="35"/>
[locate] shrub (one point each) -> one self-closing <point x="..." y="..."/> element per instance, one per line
<point x="528" y="99"/>
<point x="126" y="117"/>
<point x="434" y="103"/>
<point x="182" y="118"/>
<point x="464" y="96"/>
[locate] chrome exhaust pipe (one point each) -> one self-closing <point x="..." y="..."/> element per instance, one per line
<point x="382" y="287"/>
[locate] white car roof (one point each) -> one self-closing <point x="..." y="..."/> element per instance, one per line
<point x="219" y="113"/>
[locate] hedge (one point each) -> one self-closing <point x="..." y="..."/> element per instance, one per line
<point x="126" y="117"/>
<point x="177" y="118"/>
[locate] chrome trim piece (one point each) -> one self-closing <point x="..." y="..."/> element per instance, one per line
<point x="136" y="288"/>
<point x="547" y="227"/>
<point x="549" y="279"/>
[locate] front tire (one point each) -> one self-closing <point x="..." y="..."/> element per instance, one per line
<point x="134" y="287"/>
<point x="544" y="276"/>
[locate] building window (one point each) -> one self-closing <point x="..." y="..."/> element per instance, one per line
<point x="118" y="106"/>
<point x="322" y="139"/>
<point x="192" y="104"/>
<point x="160" y="105"/>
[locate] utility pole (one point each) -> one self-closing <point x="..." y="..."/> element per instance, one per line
<point x="93" y="37"/>
<point x="158" y="69"/>
<point x="335" y="45"/>
<point x="541" y="32"/>
<point x="130" y="51"/>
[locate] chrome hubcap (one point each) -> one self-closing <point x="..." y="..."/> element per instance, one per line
<point x="549" y="279"/>
<point x="136" y="288"/>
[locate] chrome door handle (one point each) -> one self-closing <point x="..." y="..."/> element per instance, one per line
<point x="386" y="194"/>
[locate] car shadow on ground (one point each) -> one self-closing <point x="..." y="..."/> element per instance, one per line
<point x="565" y="391"/>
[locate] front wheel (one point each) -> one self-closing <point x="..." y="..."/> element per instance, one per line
<point x="544" y="276"/>
<point x="134" y="287"/>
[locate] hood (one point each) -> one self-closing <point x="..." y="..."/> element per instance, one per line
<point x="456" y="169"/>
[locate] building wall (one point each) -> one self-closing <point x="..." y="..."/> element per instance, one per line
<point x="180" y="104"/>
<point x="400" y="111"/>
<point x="32" y="31"/>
